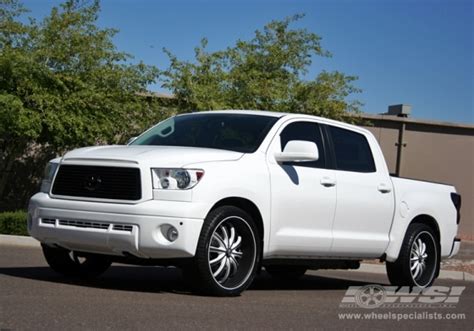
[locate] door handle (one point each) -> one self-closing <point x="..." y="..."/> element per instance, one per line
<point x="328" y="182"/>
<point x="383" y="188"/>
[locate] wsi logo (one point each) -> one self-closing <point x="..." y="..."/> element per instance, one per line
<point x="378" y="296"/>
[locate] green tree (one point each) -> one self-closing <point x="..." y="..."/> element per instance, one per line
<point x="267" y="72"/>
<point x="64" y="84"/>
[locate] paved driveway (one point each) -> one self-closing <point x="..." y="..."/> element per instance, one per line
<point x="127" y="297"/>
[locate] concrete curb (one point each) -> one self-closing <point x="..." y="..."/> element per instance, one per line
<point x="444" y="274"/>
<point x="8" y="240"/>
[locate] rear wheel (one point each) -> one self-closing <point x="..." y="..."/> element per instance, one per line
<point x="69" y="263"/>
<point x="227" y="256"/>
<point x="286" y="272"/>
<point x="418" y="262"/>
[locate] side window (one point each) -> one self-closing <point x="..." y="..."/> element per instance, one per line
<point x="352" y="151"/>
<point x="307" y="131"/>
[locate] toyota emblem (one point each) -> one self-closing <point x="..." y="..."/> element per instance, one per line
<point x="92" y="182"/>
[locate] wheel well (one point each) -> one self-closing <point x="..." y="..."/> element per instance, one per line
<point x="429" y="221"/>
<point x="246" y="205"/>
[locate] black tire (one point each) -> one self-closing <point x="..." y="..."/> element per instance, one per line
<point x="285" y="272"/>
<point x="419" y="259"/>
<point x="237" y="259"/>
<point x="67" y="263"/>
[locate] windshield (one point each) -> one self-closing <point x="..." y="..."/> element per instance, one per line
<point x="236" y="132"/>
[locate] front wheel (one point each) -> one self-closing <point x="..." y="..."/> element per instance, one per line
<point x="227" y="256"/>
<point x="419" y="259"/>
<point x="69" y="263"/>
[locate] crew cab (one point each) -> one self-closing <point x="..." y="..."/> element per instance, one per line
<point x="222" y="194"/>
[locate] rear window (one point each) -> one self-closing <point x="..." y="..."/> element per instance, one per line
<point x="352" y="151"/>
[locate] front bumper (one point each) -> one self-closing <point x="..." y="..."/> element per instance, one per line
<point x="116" y="229"/>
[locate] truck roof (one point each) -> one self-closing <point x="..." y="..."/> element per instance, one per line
<point x="279" y="115"/>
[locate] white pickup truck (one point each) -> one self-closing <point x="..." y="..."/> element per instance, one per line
<point x="222" y="194"/>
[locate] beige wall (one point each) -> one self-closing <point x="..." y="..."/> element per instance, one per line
<point x="387" y="137"/>
<point x="434" y="152"/>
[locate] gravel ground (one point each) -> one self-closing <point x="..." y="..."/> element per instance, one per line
<point x="458" y="265"/>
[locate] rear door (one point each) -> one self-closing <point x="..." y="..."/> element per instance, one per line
<point x="365" y="200"/>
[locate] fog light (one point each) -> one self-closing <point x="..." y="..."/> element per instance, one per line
<point x="172" y="234"/>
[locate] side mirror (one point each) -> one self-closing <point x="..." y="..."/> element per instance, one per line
<point x="298" y="151"/>
<point x="131" y="140"/>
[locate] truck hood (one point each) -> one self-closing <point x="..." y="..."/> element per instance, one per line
<point x="155" y="156"/>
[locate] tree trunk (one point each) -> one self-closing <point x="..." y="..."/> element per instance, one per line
<point x="6" y="164"/>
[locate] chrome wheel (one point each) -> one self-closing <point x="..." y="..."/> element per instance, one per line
<point x="418" y="261"/>
<point x="232" y="252"/>
<point x="423" y="259"/>
<point x="417" y="258"/>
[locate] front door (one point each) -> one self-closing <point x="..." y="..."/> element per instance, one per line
<point x="303" y="196"/>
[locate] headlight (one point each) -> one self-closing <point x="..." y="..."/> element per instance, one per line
<point x="48" y="176"/>
<point x="175" y="179"/>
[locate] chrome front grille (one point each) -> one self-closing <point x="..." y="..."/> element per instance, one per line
<point x="88" y="224"/>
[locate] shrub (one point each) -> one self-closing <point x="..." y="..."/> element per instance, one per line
<point x="14" y="222"/>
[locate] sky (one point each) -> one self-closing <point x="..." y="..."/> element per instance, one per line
<point x="416" y="52"/>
